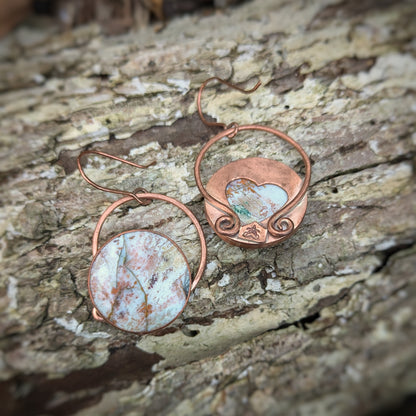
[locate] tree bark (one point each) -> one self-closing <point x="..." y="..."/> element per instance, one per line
<point x="320" y="324"/>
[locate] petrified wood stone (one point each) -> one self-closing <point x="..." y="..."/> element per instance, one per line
<point x="139" y="281"/>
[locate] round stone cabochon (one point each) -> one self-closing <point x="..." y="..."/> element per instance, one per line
<point x="139" y="281"/>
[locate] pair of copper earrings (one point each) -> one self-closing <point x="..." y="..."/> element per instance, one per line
<point x="140" y="281"/>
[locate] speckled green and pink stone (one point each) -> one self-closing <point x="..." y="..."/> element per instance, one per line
<point x="254" y="203"/>
<point x="139" y="281"/>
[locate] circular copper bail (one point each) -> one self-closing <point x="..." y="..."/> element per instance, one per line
<point x="92" y="278"/>
<point x="283" y="222"/>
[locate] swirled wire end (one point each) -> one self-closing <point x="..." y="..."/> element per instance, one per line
<point x="227" y="225"/>
<point x="281" y="227"/>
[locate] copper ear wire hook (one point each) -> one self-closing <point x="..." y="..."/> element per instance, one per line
<point x="230" y="222"/>
<point x="228" y="84"/>
<point x="147" y="199"/>
<point x="224" y="220"/>
<point x="114" y="191"/>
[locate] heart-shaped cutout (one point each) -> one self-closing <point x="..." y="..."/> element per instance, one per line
<point x="254" y="202"/>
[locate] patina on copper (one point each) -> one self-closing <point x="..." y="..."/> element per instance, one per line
<point x="142" y="198"/>
<point x="222" y="218"/>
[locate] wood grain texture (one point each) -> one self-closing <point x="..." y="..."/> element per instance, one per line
<point x="321" y="324"/>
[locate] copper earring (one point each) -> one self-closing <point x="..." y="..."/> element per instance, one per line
<point x="139" y="281"/>
<point x="253" y="202"/>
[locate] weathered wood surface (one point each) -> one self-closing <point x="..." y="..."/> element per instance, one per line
<point x="322" y="324"/>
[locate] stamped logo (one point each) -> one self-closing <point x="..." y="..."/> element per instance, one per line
<point x="253" y="232"/>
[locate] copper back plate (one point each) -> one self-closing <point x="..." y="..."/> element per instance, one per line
<point x="260" y="171"/>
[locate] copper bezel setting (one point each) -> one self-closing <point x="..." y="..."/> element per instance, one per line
<point x="260" y="171"/>
<point x="274" y="229"/>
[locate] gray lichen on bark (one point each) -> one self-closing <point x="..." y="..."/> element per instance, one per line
<point x="321" y="323"/>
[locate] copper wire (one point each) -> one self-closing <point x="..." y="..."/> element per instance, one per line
<point x="229" y="224"/>
<point x="145" y="199"/>
<point x="114" y="191"/>
<point x="228" y="84"/>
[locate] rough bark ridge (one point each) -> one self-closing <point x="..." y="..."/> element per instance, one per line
<point x="322" y="324"/>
